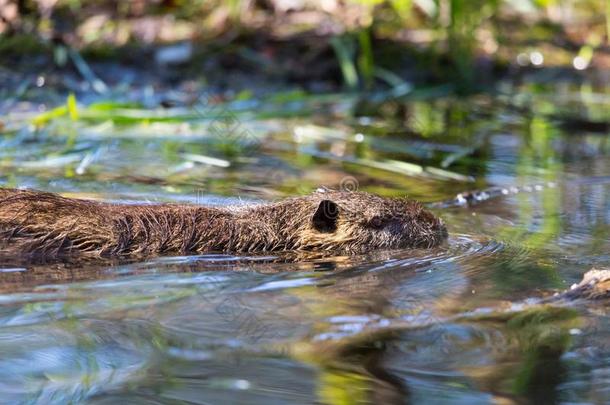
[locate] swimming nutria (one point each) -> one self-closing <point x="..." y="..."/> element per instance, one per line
<point x="35" y="223"/>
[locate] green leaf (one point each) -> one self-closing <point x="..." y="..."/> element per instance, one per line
<point x="343" y="47"/>
<point x="44" y="118"/>
<point x="72" y="107"/>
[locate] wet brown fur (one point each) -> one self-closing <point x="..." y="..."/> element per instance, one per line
<point x="34" y="223"/>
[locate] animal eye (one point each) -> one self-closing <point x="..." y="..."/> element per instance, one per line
<point x="376" y="222"/>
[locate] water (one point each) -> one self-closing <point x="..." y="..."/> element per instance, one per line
<point x="386" y="327"/>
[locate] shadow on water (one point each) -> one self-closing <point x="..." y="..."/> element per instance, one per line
<point x="386" y="327"/>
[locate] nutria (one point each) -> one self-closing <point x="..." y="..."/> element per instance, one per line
<point x="40" y="224"/>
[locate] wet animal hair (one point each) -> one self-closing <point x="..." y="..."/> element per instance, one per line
<point x="34" y="223"/>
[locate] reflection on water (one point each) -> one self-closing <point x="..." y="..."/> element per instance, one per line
<point x="387" y="327"/>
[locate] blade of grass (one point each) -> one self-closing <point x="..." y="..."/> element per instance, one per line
<point x="366" y="64"/>
<point x="341" y="46"/>
<point x="207" y="160"/>
<point x="72" y="107"/>
<point x="83" y="68"/>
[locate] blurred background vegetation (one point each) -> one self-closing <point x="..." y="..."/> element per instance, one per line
<point x="320" y="44"/>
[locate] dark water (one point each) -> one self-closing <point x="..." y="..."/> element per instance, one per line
<point x="378" y="328"/>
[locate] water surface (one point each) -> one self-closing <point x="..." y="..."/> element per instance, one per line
<point x="378" y="328"/>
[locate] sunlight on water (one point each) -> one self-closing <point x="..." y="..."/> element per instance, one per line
<point x="385" y="327"/>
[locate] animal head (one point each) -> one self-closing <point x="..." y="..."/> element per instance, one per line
<point x="356" y="221"/>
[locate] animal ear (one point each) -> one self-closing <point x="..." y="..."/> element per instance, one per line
<point x="325" y="217"/>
